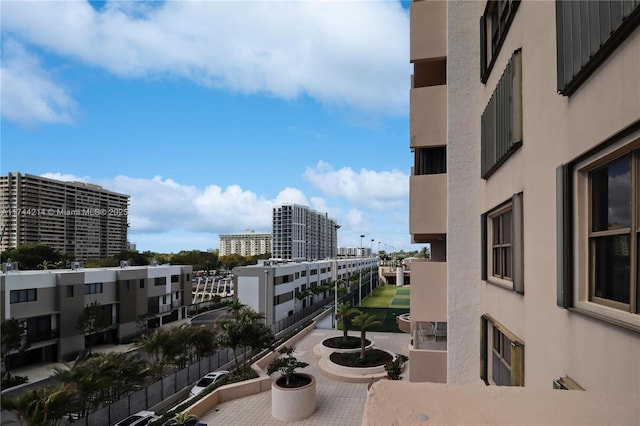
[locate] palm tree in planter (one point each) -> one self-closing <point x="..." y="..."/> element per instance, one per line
<point x="364" y="321"/>
<point x="344" y="313"/>
<point x="293" y="395"/>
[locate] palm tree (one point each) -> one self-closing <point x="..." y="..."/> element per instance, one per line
<point x="234" y="308"/>
<point x="46" y="265"/>
<point x="247" y="331"/>
<point x="364" y="321"/>
<point x="302" y="295"/>
<point x="231" y="337"/>
<point x="344" y="313"/>
<point x="317" y="290"/>
<point x="153" y="346"/>
<point x="38" y="406"/>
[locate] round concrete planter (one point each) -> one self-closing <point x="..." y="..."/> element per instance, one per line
<point x="292" y="404"/>
<point x="326" y="350"/>
<point x="357" y="371"/>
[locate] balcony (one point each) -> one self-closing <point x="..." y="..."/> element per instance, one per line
<point x="427" y="207"/>
<point x="428" y="30"/>
<point x="428" y="292"/>
<point x="428" y="120"/>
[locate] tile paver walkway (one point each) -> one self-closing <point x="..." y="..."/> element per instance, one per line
<point x="338" y="403"/>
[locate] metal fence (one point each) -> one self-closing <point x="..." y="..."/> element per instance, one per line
<point x="156" y="392"/>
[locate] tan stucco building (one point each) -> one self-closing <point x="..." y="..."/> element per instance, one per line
<point x="78" y="218"/>
<point x="525" y="125"/>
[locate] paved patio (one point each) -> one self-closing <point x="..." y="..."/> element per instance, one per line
<point x="338" y="403"/>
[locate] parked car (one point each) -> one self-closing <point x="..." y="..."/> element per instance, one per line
<point x="138" y="419"/>
<point x="207" y="380"/>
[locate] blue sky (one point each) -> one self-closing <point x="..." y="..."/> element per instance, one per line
<point x="211" y="113"/>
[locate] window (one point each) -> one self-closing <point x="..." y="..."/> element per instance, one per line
<point x="494" y="26"/>
<point x="599" y="231"/>
<point x="93" y="288"/>
<point x="501" y="120"/>
<point x="175" y="278"/>
<point x="502" y="355"/>
<point x="69" y="291"/>
<point x="21" y="296"/>
<point x="587" y="32"/>
<point x="159" y="281"/>
<point x="141" y="283"/>
<point x="610" y="233"/>
<point x="282" y="298"/>
<point x="502" y="245"/>
<point x="431" y="161"/>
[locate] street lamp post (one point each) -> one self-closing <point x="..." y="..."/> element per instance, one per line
<point x="266" y="298"/>
<point x="335" y="304"/>
<point x="360" y="271"/>
<point x="370" y="275"/>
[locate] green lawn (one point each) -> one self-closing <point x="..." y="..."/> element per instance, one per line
<point x="387" y="296"/>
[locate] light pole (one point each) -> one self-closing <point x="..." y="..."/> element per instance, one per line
<point x="266" y="291"/>
<point x="371" y="249"/>
<point x="335" y="303"/>
<point x="360" y="271"/>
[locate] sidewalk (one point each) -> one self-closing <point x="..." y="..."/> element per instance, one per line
<point x="338" y="403"/>
<point x="43" y="371"/>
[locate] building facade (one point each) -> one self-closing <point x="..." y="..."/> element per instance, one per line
<point x="50" y="302"/>
<point x="271" y="287"/>
<point x="525" y="131"/>
<point x="300" y="233"/>
<point x="72" y="217"/>
<point x="245" y="244"/>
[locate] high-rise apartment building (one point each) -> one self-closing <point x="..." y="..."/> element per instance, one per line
<point x="247" y="243"/>
<point x="300" y="233"/>
<point x="526" y="138"/>
<point x="525" y="129"/>
<point x="72" y="217"/>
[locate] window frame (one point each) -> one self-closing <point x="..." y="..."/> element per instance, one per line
<point x="585" y="235"/>
<point x="490" y="48"/>
<point x="573" y="221"/>
<point x="516" y="348"/>
<point x="23" y="295"/>
<point x="498" y="243"/>
<point x="515" y="282"/>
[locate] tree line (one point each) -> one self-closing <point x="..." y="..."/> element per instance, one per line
<point x="95" y="381"/>
<point x="41" y="256"/>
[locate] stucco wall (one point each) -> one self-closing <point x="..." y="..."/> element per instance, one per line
<point x="463" y="166"/>
<point x="556" y="129"/>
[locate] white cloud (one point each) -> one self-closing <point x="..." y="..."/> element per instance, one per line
<point x="346" y="54"/>
<point x="385" y="190"/>
<point x="166" y="215"/>
<point x="29" y="94"/>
